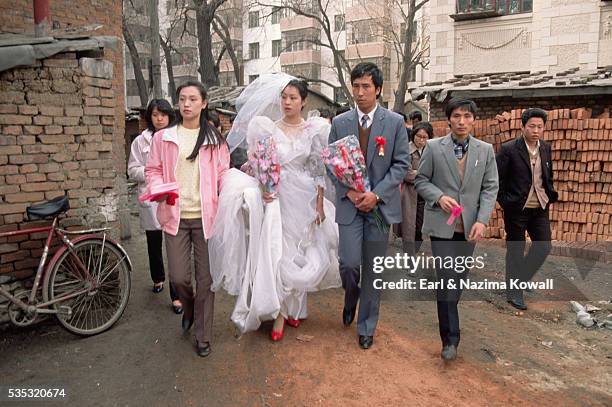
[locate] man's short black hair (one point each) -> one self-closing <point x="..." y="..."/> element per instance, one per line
<point x="402" y="114"/>
<point x="368" y="69"/>
<point x="460" y="103"/>
<point x="326" y="114"/>
<point x="416" y="115"/>
<point x="533" y="112"/>
<point x="342" y="109"/>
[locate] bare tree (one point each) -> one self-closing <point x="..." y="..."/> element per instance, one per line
<point x="415" y="51"/>
<point x="318" y="11"/>
<point x="135" y="58"/>
<point x="205" y="14"/>
<point x="222" y="30"/>
<point x="155" y="43"/>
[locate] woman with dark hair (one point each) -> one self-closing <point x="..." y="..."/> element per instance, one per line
<point x="194" y="156"/>
<point x="158" y="116"/>
<point x="412" y="204"/>
<point x="271" y="249"/>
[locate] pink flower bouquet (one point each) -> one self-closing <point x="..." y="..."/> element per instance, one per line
<point x="264" y="165"/>
<point x="345" y="161"/>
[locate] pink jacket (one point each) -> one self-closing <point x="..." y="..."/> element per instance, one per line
<point x="161" y="168"/>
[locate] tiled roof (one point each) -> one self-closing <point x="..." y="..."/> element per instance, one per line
<point x="573" y="81"/>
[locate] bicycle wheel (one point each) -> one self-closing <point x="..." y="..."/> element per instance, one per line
<point x="107" y="288"/>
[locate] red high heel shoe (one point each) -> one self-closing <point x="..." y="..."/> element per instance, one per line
<point x="278" y="335"/>
<point x="293" y="322"/>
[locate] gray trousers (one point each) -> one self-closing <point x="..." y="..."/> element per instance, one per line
<point x="201" y="306"/>
<point x="360" y="242"/>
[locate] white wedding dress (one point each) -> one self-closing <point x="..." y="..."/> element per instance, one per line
<point x="271" y="255"/>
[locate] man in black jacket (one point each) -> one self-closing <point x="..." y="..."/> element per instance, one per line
<point x="525" y="193"/>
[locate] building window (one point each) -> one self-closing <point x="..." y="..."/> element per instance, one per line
<point x="253" y="19"/>
<point x="339" y="23"/>
<point x="276" y="15"/>
<point x="472" y="9"/>
<point x="252" y="78"/>
<point x="307" y="71"/>
<point x="301" y="40"/>
<point x="277" y="46"/>
<point x="254" y="50"/>
<point x="364" y="31"/>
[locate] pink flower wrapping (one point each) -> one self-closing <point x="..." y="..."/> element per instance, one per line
<point x="264" y="165"/>
<point x="347" y="164"/>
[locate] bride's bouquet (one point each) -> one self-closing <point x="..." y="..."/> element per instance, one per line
<point x="346" y="162"/>
<point x="263" y="164"/>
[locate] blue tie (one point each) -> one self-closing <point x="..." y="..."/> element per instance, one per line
<point x="364" y="121"/>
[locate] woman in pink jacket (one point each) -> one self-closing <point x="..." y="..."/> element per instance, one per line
<point x="193" y="155"/>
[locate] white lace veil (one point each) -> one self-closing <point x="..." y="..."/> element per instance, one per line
<point x="262" y="97"/>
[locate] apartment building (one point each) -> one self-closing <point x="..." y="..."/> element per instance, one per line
<point x="269" y="38"/>
<point x="491" y="36"/>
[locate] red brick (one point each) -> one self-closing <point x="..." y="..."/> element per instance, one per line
<point x="35" y="130"/>
<point x="51" y="110"/>
<point x="41" y="148"/>
<point x="10" y="150"/>
<point x="36" y="178"/>
<point x="28" y="110"/>
<point x="12" y="130"/>
<point x="9" y="169"/>
<point x="8" y="109"/>
<point x="56" y="139"/>
<point x="74" y="111"/>
<point x="66" y="121"/>
<point x="25" y="197"/>
<point x="39" y="186"/>
<point x="42" y="120"/>
<point x="6" y="209"/>
<point x="15" y="119"/>
<point x="53" y="129"/>
<point x="15" y="179"/>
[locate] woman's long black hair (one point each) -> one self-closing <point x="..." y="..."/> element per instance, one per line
<point x="163" y="106"/>
<point x="208" y="133"/>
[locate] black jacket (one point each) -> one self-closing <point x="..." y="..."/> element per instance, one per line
<point x="514" y="169"/>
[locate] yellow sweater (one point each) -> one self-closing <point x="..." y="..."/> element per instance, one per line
<point x="188" y="174"/>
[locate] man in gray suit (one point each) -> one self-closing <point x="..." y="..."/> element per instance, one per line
<point x="361" y="239"/>
<point x="457" y="169"/>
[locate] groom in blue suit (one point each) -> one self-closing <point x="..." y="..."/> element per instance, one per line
<point x="361" y="239"/>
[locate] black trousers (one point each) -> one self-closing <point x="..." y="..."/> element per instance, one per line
<point x="448" y="298"/>
<point x="519" y="265"/>
<point x="156" y="260"/>
<point x="413" y="247"/>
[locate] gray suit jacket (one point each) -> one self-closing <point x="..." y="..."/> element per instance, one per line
<point x="385" y="173"/>
<point x="438" y="175"/>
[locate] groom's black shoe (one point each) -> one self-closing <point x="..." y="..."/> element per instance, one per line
<point x="203" y="349"/>
<point x="186" y="323"/>
<point x="348" y="315"/>
<point x="366" y="342"/>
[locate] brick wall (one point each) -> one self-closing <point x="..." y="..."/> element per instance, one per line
<point x="17" y="16"/>
<point x="56" y="137"/>
<point x="582" y="165"/>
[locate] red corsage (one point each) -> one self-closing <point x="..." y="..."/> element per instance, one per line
<point x="380" y="142"/>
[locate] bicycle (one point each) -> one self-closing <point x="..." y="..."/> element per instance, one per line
<point x="86" y="283"/>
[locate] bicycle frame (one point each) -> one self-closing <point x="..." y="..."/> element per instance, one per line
<point x="52" y="230"/>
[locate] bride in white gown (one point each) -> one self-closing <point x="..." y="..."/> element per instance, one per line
<point x="271" y="250"/>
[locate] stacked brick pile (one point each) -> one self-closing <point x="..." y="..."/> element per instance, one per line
<point x="582" y="164"/>
<point x="56" y="138"/>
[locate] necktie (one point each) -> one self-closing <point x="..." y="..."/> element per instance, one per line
<point x="364" y="121"/>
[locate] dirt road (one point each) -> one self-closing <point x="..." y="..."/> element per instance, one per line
<point x="539" y="358"/>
